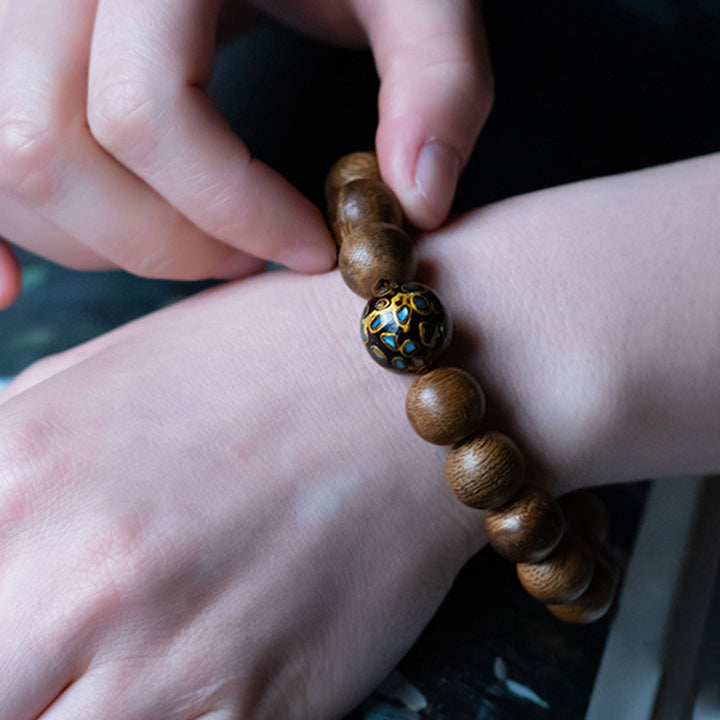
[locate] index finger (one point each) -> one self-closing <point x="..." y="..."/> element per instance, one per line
<point x="147" y="106"/>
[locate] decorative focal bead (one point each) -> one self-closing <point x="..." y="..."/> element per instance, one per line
<point x="485" y="471"/>
<point x="356" y="166"/>
<point x="585" y="513"/>
<point x="563" y="575"/>
<point x="373" y="253"/>
<point x="405" y="327"/>
<point x="528" y="529"/>
<point x="445" y="405"/>
<point x="364" y="203"/>
<point x="595" y="601"/>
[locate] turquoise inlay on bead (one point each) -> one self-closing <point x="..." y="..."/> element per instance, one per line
<point x="389" y="340"/>
<point x="411" y="287"/>
<point x="363" y="334"/>
<point x="398" y="363"/>
<point x="410" y="347"/>
<point x="376" y="323"/>
<point x="403" y="314"/>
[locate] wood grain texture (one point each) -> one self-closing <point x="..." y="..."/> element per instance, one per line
<point x="445" y="405"/>
<point x="373" y="253"/>
<point x="527" y="529"/>
<point x="563" y="575"/>
<point x="485" y="471"/>
<point x="585" y="513"/>
<point x="363" y="202"/>
<point x="355" y="166"/>
<point x="595" y="601"/>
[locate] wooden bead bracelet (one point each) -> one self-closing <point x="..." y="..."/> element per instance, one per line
<point x="559" y="547"/>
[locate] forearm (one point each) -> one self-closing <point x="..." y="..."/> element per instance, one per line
<point x="597" y="312"/>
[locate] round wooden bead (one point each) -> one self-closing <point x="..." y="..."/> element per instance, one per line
<point x="527" y="529"/>
<point x="405" y="327"/>
<point x="585" y="513"/>
<point x="563" y="576"/>
<point x="373" y="253"/>
<point x="363" y="202"/>
<point x="445" y="405"/>
<point x="485" y="471"/>
<point x="356" y="166"/>
<point x="595" y="601"/>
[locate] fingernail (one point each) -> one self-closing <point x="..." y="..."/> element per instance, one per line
<point x="436" y="176"/>
<point x="238" y="265"/>
<point x="310" y="259"/>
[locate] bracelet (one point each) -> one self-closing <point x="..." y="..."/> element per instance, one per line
<point x="559" y="547"/>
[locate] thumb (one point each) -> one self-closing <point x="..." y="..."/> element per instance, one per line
<point x="436" y="93"/>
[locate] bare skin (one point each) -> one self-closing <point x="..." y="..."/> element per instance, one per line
<point x="111" y="154"/>
<point x="220" y="511"/>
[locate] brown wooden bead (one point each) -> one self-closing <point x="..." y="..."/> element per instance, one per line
<point x="445" y="405"/>
<point x="356" y="166"/>
<point x="363" y="202"/>
<point x="563" y="575"/>
<point x="595" y="601"/>
<point x="585" y="513"/>
<point x="371" y="253"/>
<point x="485" y="471"/>
<point x="527" y="529"/>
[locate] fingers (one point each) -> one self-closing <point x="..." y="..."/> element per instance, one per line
<point x="51" y="166"/>
<point x="435" y="96"/>
<point x="147" y="106"/>
<point x="29" y="230"/>
<point x="10" y="276"/>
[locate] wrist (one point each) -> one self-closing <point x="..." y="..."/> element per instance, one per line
<point x="546" y="375"/>
<point x="589" y="314"/>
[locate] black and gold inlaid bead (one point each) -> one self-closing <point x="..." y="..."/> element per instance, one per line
<point x="405" y="327"/>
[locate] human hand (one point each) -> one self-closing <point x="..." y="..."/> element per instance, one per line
<point x="214" y="523"/>
<point x="224" y="522"/>
<point x="111" y="155"/>
<point x="436" y="87"/>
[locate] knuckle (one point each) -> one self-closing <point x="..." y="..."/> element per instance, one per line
<point x="27" y="153"/>
<point x="119" y="113"/>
